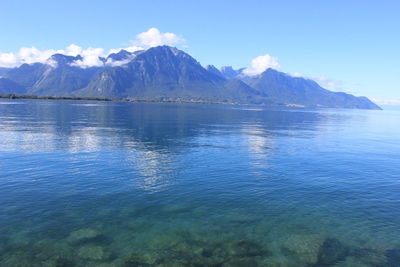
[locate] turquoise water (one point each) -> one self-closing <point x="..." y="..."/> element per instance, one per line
<point x="144" y="184"/>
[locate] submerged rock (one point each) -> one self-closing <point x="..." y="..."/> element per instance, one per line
<point x="245" y="248"/>
<point x="367" y="261"/>
<point x="58" y="261"/>
<point x="332" y="252"/>
<point x="393" y="257"/>
<point x="83" y="235"/>
<point x="305" y="247"/>
<point x="165" y="240"/>
<point x="139" y="260"/>
<point x="92" y="252"/>
<point x="241" y="262"/>
<point x="366" y="257"/>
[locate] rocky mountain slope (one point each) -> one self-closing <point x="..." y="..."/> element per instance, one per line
<point x="166" y="73"/>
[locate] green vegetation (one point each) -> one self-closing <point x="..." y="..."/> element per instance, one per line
<point x="15" y="96"/>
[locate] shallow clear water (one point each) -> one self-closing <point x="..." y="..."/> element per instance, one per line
<point x="141" y="184"/>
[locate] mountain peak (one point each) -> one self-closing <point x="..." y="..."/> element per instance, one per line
<point x="64" y="59"/>
<point x="121" y="55"/>
<point x="165" y="49"/>
<point x="230" y="73"/>
<point x="165" y="72"/>
<point x="213" y="69"/>
<point x="166" y="55"/>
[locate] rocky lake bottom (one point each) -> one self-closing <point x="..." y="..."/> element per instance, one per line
<point x="85" y="183"/>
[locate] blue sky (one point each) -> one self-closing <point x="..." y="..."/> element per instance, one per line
<point x="352" y="46"/>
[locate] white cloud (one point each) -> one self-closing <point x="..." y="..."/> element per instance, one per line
<point x="32" y="55"/>
<point x="153" y="37"/>
<point x="261" y="63"/>
<point x="28" y="55"/>
<point x="8" y="60"/>
<point x="90" y="58"/>
<point x="117" y="63"/>
<point x="130" y="49"/>
<point x="25" y="55"/>
<point x="150" y="38"/>
<point x="73" y="50"/>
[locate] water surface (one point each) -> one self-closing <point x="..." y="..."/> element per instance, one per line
<point x="143" y="184"/>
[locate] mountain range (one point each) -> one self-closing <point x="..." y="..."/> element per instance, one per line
<point x="167" y="73"/>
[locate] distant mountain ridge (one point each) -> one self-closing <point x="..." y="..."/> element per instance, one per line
<point x="167" y="73"/>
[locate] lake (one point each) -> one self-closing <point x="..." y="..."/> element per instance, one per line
<point x="85" y="183"/>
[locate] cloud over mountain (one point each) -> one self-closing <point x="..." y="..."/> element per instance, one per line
<point x="90" y="56"/>
<point x="165" y="73"/>
<point x="97" y="57"/>
<point x="261" y="63"/>
<point x="153" y="37"/>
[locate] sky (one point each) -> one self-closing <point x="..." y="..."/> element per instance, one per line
<point x="351" y="46"/>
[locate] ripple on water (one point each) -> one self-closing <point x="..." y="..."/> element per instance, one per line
<point x="135" y="184"/>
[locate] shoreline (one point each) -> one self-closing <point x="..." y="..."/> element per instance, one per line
<point x="105" y="99"/>
<point x="133" y="100"/>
